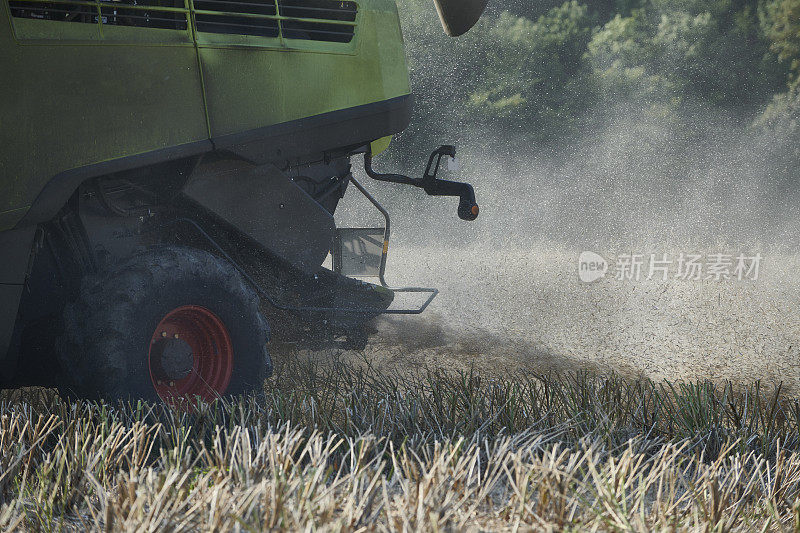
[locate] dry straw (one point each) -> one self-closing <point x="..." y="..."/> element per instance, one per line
<point x="340" y="449"/>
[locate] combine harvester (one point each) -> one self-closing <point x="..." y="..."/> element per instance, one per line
<point x="169" y="171"/>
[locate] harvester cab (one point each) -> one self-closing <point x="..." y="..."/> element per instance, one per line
<point x="153" y="246"/>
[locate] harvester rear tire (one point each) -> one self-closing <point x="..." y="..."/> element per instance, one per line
<point x="115" y="330"/>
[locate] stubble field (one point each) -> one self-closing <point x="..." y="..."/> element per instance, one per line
<point x="541" y="403"/>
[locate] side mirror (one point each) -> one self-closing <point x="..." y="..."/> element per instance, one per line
<point x="459" y="16"/>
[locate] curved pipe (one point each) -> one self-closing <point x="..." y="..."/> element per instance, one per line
<point x="467" y="206"/>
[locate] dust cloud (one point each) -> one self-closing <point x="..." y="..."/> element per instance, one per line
<point x="511" y="298"/>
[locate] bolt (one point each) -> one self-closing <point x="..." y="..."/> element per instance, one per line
<point x="176" y="336"/>
<point x="163" y="333"/>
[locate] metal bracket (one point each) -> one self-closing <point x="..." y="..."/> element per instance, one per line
<point x="381" y="275"/>
<point x="431" y="184"/>
<point x="308" y="309"/>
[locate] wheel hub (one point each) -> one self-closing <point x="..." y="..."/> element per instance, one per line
<point x="190" y="355"/>
<point x="171" y="359"/>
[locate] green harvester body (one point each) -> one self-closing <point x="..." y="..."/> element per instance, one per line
<point x="79" y="94"/>
<point x="213" y="134"/>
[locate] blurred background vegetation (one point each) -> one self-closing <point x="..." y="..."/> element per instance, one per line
<point x="547" y="74"/>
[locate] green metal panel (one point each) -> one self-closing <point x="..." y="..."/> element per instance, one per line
<point x="77" y="94"/>
<point x="277" y="80"/>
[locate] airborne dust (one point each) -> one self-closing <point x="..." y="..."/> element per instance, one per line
<point x="511" y="298"/>
<point x="700" y="180"/>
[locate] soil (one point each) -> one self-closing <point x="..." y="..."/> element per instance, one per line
<point x="526" y="310"/>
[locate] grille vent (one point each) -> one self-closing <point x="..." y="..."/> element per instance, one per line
<point x="310" y="20"/>
<point x="139" y="13"/>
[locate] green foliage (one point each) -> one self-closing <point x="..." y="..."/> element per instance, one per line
<point x="549" y="71"/>
<point x="550" y="50"/>
<point x="781" y="22"/>
<point x="687" y="50"/>
<point x="621" y="55"/>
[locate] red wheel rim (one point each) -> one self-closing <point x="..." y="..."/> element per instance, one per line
<point x="205" y="355"/>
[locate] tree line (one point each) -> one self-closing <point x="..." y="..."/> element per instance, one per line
<point x="548" y="71"/>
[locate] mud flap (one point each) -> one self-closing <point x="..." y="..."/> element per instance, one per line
<point x="16" y="246"/>
<point x="263" y="203"/>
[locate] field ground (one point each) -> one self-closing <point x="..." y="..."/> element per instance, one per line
<point x="525" y="308"/>
<point x="335" y="446"/>
<point x="525" y="400"/>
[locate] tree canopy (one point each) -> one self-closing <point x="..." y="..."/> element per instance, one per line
<point x="550" y="70"/>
